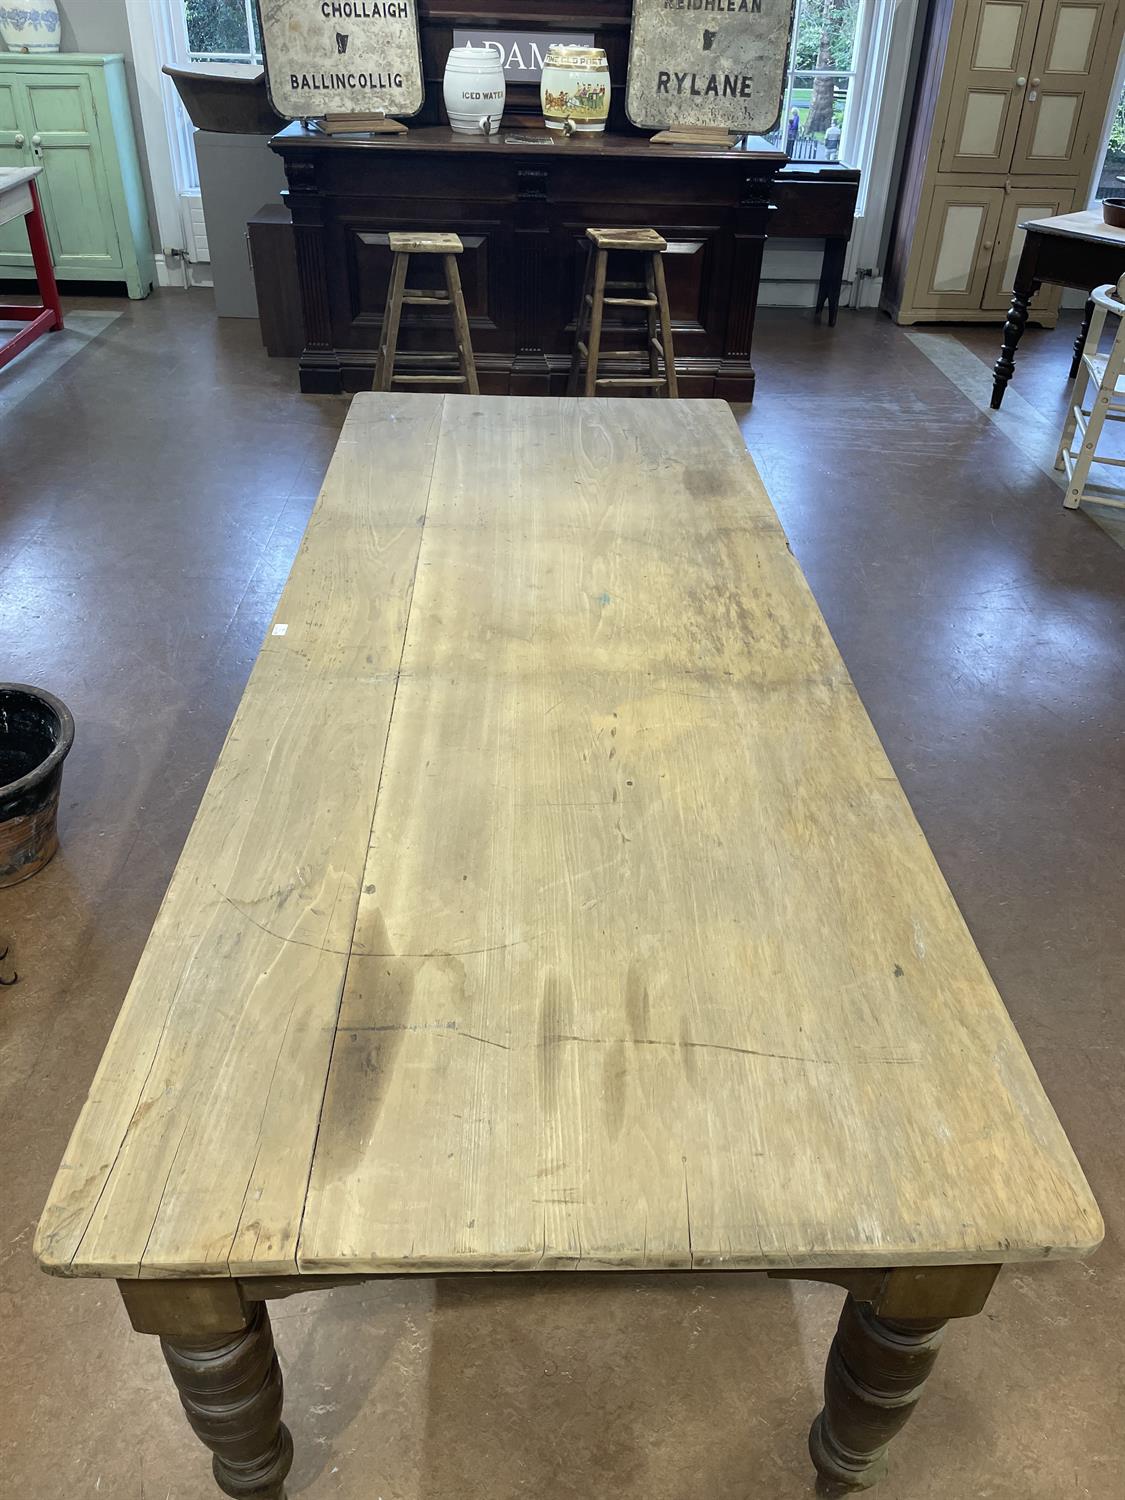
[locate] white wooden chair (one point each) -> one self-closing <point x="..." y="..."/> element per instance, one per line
<point x="1107" y="402"/>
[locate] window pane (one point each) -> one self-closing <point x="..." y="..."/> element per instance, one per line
<point x="814" y="122"/>
<point x="1110" y="184"/>
<point x="825" y="34"/>
<point x="217" y="26"/>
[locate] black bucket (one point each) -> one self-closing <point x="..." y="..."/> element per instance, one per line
<point x="36" y="732"/>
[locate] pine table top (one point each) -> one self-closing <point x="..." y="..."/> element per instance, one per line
<point x="553" y="905"/>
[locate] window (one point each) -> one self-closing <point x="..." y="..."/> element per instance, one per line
<point x="824" y="79"/>
<point x="223" y="31"/>
<point x="1109" y="180"/>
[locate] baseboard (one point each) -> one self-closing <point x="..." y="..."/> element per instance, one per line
<point x="784" y="292"/>
<point x="170" y="271"/>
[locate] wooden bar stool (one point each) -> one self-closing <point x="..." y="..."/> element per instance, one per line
<point x="449" y="247"/>
<point x="651" y="294"/>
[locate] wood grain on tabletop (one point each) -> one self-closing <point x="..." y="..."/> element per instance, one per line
<point x="651" y="963"/>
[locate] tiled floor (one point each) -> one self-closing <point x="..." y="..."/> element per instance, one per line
<point x="152" y="493"/>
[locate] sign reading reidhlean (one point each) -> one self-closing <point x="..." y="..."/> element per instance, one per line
<point x="713" y="63"/>
<point x="341" y="57"/>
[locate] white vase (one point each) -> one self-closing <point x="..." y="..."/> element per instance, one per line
<point x="575" y="88"/>
<point x="29" y="25"/>
<point x="474" y="89"/>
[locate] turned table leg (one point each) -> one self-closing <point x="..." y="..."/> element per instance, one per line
<point x="1080" y="341"/>
<point x="876" y="1369"/>
<point x="221" y="1355"/>
<point x="886" y="1343"/>
<point x="1016" y="322"/>
<point x="1024" y="287"/>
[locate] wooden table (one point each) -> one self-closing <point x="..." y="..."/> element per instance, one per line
<point x="1079" y="250"/>
<point x="19" y="199"/>
<point x="553" y="907"/>
<point x="816" y="200"/>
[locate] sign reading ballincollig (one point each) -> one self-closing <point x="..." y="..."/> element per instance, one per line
<point x="714" y="63"/>
<point x="342" y="57"/>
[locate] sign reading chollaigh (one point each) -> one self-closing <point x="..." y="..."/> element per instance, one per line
<point x="713" y="63"/>
<point x="342" y="57"/>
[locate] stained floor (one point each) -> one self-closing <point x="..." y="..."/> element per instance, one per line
<point x="152" y="493"/>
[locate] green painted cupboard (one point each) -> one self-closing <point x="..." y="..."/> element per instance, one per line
<point x="69" y="112"/>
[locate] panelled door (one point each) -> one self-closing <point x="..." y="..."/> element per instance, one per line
<point x="14" y="152"/>
<point x="960" y="238"/>
<point x="1021" y="204"/>
<point x="75" y="192"/>
<point x="992" y="73"/>
<point x="1063" y="103"/>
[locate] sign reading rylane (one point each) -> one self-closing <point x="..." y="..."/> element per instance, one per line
<point x="341" y="57"/>
<point x="714" y="63"/>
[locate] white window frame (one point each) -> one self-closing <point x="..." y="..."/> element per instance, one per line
<point x="856" y="74"/>
<point x="879" y="76"/>
<point x="250" y="58"/>
<point x="1103" y="144"/>
<point x="158" y="35"/>
<point x="867" y="77"/>
<point x="873" y="138"/>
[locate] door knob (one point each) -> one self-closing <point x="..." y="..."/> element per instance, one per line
<point x="1021" y="83"/>
<point x="36" y="140"/>
<point x="19" y="139"/>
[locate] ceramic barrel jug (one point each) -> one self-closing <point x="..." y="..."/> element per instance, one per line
<point x="29" y="25"/>
<point x="474" y="89"/>
<point x="575" y="89"/>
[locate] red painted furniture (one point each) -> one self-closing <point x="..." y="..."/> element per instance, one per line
<point x="18" y="195"/>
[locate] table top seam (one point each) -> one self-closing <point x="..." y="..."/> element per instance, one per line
<point x="374" y="814"/>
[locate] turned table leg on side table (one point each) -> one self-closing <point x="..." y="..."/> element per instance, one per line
<point x="1016" y="322"/>
<point x="1024" y="287"/>
<point x="887" y="1341"/>
<point x="1080" y="341"/>
<point x="219" y="1349"/>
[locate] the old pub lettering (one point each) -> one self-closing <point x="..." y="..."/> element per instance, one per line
<point x="728" y="7"/>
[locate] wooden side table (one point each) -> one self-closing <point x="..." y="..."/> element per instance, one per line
<point x="817" y="200"/>
<point x="18" y="195"/>
<point x="1078" y="250"/>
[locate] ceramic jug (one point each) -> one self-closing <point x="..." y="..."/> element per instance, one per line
<point x="29" y="25"/>
<point x="575" y="89"/>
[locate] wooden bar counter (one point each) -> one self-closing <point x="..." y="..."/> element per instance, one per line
<point x="522" y="209"/>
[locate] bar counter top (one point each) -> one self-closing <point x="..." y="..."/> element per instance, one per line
<point x="512" y="140"/>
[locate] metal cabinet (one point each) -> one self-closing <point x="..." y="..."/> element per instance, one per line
<point x="70" y="114"/>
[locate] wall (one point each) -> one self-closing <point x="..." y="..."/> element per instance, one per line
<point x="102" y="26"/>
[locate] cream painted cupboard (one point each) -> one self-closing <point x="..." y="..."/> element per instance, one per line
<point x="1007" y="119"/>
